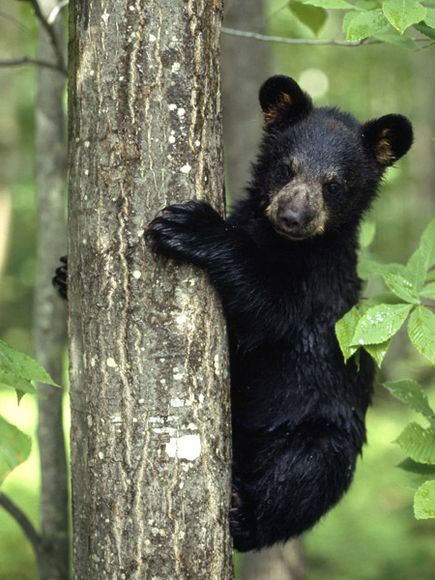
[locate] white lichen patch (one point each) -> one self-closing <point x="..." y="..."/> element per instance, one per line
<point x="186" y="168"/>
<point x="176" y="67"/>
<point x="111" y="362"/>
<point x="178" y="376"/>
<point x="137" y="274"/>
<point x="116" y="418"/>
<point x="87" y="144"/>
<point x="185" y="447"/>
<point x="177" y="402"/>
<point x="152" y="38"/>
<point x="181" y="112"/>
<point x="105" y="17"/>
<point x="171" y="139"/>
<point x="181" y="319"/>
<point x="197" y="143"/>
<point x="172" y="107"/>
<point x="101" y="455"/>
<point x="217" y="365"/>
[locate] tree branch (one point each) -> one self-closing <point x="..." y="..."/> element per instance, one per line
<point x="29" y="60"/>
<point x="23" y="521"/>
<point x="51" y="34"/>
<point x="303" y="41"/>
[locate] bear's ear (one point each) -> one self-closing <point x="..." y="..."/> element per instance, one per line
<point x="283" y="101"/>
<point x="388" y="137"/>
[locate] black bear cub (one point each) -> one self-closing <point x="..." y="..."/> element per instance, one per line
<point x="284" y="265"/>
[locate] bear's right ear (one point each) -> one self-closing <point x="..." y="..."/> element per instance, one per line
<point x="283" y="101"/>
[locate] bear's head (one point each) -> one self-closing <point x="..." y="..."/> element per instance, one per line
<point x="319" y="168"/>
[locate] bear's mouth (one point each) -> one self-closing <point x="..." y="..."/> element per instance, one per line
<point x="295" y="236"/>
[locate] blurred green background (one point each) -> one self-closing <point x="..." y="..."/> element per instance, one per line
<point x="372" y="534"/>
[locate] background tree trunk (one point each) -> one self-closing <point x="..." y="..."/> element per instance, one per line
<point x="149" y="381"/>
<point x="49" y="311"/>
<point x="245" y="66"/>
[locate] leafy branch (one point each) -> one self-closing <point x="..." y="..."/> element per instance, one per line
<point x="23" y="521"/>
<point x="371" y="326"/>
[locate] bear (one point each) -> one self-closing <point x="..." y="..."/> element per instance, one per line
<point x="284" y="266"/>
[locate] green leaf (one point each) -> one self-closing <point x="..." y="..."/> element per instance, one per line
<point x="411" y="393"/>
<point x="421" y="331"/>
<point x="14" y="448"/>
<point x="329" y="4"/>
<point x="427" y="241"/>
<point x="418" y="443"/>
<point x="345" y="329"/>
<point x="380" y="323"/>
<point x="13" y="382"/>
<point x="366" y="233"/>
<point x="424" y="501"/>
<point x="429" y="19"/>
<point x="401" y="287"/>
<point x="311" y="16"/>
<point x="428" y="291"/>
<point x="417" y="468"/>
<point x="22" y="366"/>
<point x="426" y="30"/>
<point x="365" y="4"/>
<point x="378" y="351"/>
<point x="365" y="24"/>
<point x="403" y="13"/>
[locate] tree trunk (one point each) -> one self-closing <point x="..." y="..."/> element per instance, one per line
<point x="49" y="312"/>
<point x="149" y="382"/>
<point x="245" y="66"/>
<point x="281" y="562"/>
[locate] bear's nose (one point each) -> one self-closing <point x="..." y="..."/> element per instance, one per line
<point x="293" y="218"/>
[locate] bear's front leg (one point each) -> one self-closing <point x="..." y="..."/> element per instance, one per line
<point x="187" y="232"/>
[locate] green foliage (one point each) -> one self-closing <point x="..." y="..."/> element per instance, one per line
<point x="20" y="372"/>
<point x="312" y="16"/>
<point x="14" y="448"/>
<point x="383" y="20"/>
<point x="424" y="501"/>
<point x="375" y="322"/>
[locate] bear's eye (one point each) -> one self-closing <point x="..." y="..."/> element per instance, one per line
<point x="284" y="172"/>
<point x="332" y="188"/>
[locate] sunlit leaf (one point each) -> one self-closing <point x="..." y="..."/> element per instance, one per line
<point x="365" y="24"/>
<point x="424" y="501"/>
<point x="311" y="16"/>
<point x="411" y="393"/>
<point x="380" y="323"/>
<point x="429" y="291"/>
<point x="421" y="331"/>
<point x="418" y="443"/>
<point x="378" y="351"/>
<point x="14" y="448"/>
<point x="429" y="19"/>
<point x="401" y="287"/>
<point x="403" y="13"/>
<point x="345" y="329"/>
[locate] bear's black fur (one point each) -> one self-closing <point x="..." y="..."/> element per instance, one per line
<point x="284" y="264"/>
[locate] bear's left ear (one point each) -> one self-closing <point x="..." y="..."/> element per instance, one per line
<point x="282" y="100"/>
<point x="388" y="137"/>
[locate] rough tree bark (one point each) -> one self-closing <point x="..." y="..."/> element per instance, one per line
<point x="149" y="381"/>
<point x="49" y="327"/>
